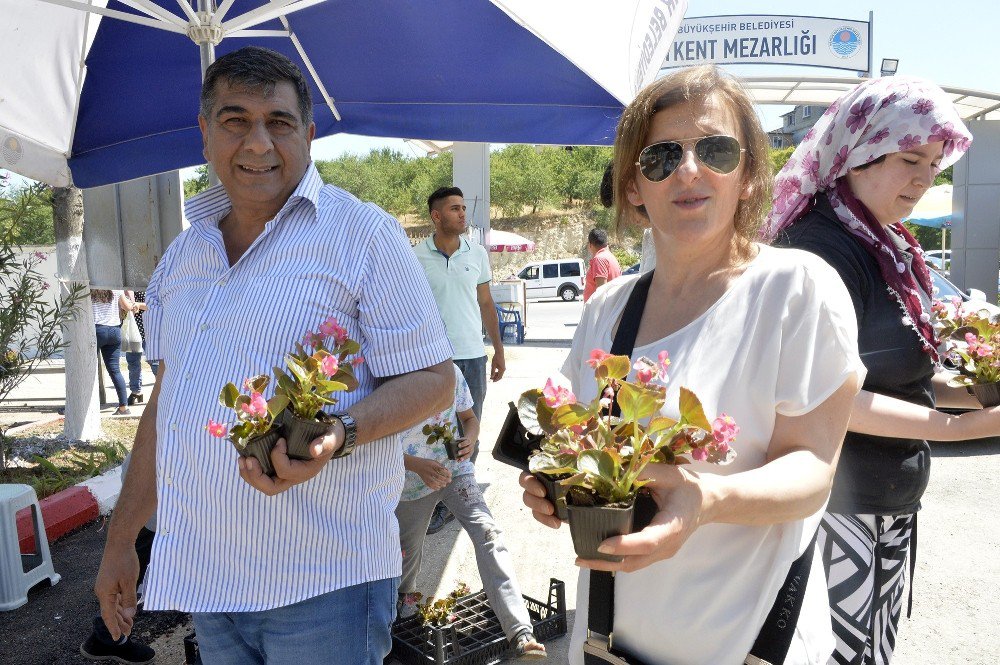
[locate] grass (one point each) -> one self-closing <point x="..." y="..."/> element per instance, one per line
<point x="56" y="463"/>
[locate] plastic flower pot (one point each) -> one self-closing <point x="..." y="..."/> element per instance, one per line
<point x="592" y="525"/>
<point x="300" y="432"/>
<point x="988" y="394"/>
<point x="259" y="447"/>
<point x="451" y="447"/>
<point x="556" y="493"/>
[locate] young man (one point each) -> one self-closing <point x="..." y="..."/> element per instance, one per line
<point x="271" y="253"/>
<point x="459" y="274"/>
<point x="603" y="265"/>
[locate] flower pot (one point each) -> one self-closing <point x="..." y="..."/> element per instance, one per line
<point x="259" y="447"/>
<point x="556" y="493"/>
<point x="592" y="525"/>
<point x="451" y="447"/>
<point x="988" y="394"/>
<point x="300" y="432"/>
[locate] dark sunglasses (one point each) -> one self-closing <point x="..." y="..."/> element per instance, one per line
<point x="720" y="153"/>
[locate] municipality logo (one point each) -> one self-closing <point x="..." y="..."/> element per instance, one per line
<point x="11" y="150"/>
<point x="845" y="42"/>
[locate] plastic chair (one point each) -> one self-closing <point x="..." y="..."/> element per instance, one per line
<point x="510" y="319"/>
<point x="19" y="572"/>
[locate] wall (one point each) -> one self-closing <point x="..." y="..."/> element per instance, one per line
<point x="975" y="233"/>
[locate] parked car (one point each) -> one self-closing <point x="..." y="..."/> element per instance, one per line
<point x="558" y="277"/>
<point x="975" y="297"/>
<point x="631" y="270"/>
<point x="939" y="259"/>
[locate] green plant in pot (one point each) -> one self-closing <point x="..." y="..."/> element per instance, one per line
<point x="597" y="459"/>
<point x="974" y="348"/>
<point x="258" y="425"/>
<point x="311" y="381"/>
<point x="443" y="432"/>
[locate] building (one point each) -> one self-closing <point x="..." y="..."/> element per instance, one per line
<point x="794" y="125"/>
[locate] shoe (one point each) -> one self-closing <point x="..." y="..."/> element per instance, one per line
<point x="135" y="398"/>
<point x="525" y="647"/>
<point x="406" y="606"/>
<point x="127" y="652"/>
<point x="440" y="517"/>
<point x="122" y="411"/>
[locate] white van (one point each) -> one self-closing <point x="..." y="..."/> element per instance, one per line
<point x="558" y="277"/>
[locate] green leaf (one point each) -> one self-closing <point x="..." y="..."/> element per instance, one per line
<point x="276" y="405"/>
<point x="659" y="424"/>
<point x="228" y="395"/>
<point x="569" y="415"/>
<point x="692" y="411"/>
<point x="614" y="367"/>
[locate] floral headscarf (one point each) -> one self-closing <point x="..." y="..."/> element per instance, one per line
<point x="878" y="117"/>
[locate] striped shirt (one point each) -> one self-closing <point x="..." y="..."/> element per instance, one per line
<point x="108" y="313"/>
<point x="221" y="545"/>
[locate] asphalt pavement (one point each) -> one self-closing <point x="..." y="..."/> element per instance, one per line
<point x="955" y="603"/>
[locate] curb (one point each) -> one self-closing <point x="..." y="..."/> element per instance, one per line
<point x="71" y="508"/>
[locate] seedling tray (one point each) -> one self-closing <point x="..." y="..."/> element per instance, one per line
<point x="476" y="637"/>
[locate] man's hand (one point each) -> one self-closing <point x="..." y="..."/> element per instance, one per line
<point x="434" y="474"/>
<point x="115" y="587"/>
<point x="498" y="366"/>
<point x="289" y="472"/>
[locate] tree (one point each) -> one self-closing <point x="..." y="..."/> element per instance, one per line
<point x="27" y="212"/>
<point x="198" y="184"/>
<point x="519" y="177"/>
<point x="779" y="156"/>
<point x="29" y="326"/>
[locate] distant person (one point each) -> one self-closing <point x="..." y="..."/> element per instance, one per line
<point x="603" y="265"/>
<point x="432" y="477"/>
<point x="134" y="358"/>
<point x="108" y="306"/>
<point x="459" y="274"/>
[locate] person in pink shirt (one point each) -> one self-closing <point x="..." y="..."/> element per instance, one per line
<point x="603" y="264"/>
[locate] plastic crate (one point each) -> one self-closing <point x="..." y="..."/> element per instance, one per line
<point x="476" y="637"/>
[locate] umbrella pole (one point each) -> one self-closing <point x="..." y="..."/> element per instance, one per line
<point x="207" y="49"/>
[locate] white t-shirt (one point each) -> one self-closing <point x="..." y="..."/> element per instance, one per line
<point x="782" y="339"/>
<point x="108" y="313"/>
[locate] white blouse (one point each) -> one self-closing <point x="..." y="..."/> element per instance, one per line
<point x="782" y="339"/>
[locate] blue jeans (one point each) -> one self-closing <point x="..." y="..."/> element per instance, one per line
<point x="109" y="341"/>
<point x="349" y="626"/>
<point x="474" y="371"/>
<point x="134" y="361"/>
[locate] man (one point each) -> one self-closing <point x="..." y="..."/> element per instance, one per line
<point x="459" y="274"/>
<point x="603" y="265"/>
<point x="303" y="567"/>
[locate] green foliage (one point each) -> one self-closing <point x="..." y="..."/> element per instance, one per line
<point x="944" y="178"/>
<point x="928" y="236"/>
<point x="197" y="184"/>
<point x="779" y="156"/>
<point x="398" y="184"/>
<point x="26" y="211"/>
<point x="75" y="467"/>
<point x="625" y="255"/>
<point x="522" y="176"/>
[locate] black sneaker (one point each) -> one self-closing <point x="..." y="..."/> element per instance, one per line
<point x="440" y="517"/>
<point x="127" y="652"/>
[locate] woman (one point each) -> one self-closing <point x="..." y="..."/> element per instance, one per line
<point x="107" y="306"/>
<point x="764" y="334"/>
<point x="859" y="171"/>
<point x="134" y="358"/>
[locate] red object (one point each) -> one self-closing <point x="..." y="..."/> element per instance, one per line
<point x="62" y="512"/>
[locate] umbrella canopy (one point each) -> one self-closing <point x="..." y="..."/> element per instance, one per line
<point x="934" y="208"/>
<point x="505" y="241"/>
<point x="101" y="91"/>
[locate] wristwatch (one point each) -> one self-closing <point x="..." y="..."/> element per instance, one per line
<point x="350" y="434"/>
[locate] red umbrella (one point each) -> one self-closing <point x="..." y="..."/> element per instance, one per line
<point x="505" y="241"/>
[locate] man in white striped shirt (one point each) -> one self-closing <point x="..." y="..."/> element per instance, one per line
<point x="301" y="568"/>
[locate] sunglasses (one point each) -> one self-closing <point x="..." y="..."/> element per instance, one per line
<point x="720" y="153"/>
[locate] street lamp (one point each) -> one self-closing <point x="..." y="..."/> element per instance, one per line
<point x="889" y="66"/>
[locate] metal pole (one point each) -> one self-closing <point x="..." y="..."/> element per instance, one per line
<point x="207" y="49"/>
<point x="871" y="31"/>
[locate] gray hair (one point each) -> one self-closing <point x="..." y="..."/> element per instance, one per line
<point x="256" y="68"/>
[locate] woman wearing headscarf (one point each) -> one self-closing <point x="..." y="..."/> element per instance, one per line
<point x="842" y="195"/>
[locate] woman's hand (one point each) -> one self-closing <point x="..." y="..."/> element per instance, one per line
<point x="534" y="497"/>
<point x="679" y="497"/>
<point x="434" y="474"/>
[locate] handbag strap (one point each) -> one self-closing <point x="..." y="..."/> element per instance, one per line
<point x="775" y="637"/>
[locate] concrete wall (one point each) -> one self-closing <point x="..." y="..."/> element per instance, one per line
<point x="975" y="238"/>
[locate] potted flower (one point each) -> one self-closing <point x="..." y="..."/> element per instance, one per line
<point x="974" y="348"/>
<point x="316" y="370"/>
<point x="442" y="431"/>
<point x="598" y="459"/>
<point x="257" y="426"/>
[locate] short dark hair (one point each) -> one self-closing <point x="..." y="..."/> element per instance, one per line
<point x="442" y="193"/>
<point x="259" y="69"/>
<point x="598" y="237"/>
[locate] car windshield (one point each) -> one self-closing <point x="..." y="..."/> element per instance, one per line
<point x="944" y="288"/>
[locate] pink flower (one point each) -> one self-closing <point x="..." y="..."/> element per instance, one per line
<point x="41" y="256"/>
<point x="645" y="370"/>
<point x="859" y="114"/>
<point x="217" y="430"/>
<point x="908" y="142"/>
<point x="312" y="339"/>
<point x="556" y="396"/>
<point x="663" y="358"/>
<point x="45" y="286"/>
<point x="329" y="365"/>
<point x="257" y="406"/>
<point x="597" y="356"/>
<point x="700" y="454"/>
<point x="330" y="328"/>
<point x="724" y="430"/>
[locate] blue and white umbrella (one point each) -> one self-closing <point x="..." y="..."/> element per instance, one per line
<point x="101" y="91"/>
